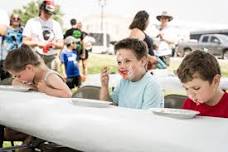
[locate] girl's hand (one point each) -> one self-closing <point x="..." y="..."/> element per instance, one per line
<point x="17" y="82"/>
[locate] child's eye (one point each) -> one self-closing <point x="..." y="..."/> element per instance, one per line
<point x="196" y="88"/>
<point x="118" y="62"/>
<point x="127" y="61"/>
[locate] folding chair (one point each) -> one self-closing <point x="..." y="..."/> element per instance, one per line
<point x="88" y="92"/>
<point x="39" y="145"/>
<point x="1" y="135"/>
<point x="7" y="134"/>
<point x="174" y="101"/>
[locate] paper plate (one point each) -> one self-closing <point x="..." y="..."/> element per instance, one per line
<point x="14" y="88"/>
<point x="175" y="113"/>
<point x="90" y="103"/>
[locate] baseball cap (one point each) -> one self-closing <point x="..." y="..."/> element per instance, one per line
<point x="48" y="6"/>
<point x="69" y="40"/>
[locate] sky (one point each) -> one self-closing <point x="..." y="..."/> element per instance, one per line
<point x="187" y="11"/>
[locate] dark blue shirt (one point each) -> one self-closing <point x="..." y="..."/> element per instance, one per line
<point x="70" y="61"/>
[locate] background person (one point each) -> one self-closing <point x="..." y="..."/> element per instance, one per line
<point x="88" y="42"/>
<point x="44" y="34"/>
<point x="11" y="40"/>
<point x="69" y="32"/>
<point x="78" y="34"/>
<point x="137" y="30"/>
<point x="137" y="88"/>
<point x="200" y="75"/>
<point x="84" y="53"/>
<point x="4" y="23"/>
<point x="69" y="59"/>
<point x="166" y="38"/>
<point x="13" y="37"/>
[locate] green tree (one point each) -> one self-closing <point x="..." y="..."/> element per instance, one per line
<point x="31" y="10"/>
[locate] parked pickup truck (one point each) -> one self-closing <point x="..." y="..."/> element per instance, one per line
<point x="215" y="44"/>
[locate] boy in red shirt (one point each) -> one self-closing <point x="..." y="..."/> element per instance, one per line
<point x="200" y="75"/>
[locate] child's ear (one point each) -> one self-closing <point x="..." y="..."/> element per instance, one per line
<point x="216" y="79"/>
<point x="144" y="61"/>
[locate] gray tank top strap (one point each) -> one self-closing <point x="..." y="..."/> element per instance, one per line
<point x="49" y="72"/>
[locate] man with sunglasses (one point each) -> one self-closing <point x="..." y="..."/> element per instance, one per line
<point x="44" y="34"/>
<point x="13" y="37"/>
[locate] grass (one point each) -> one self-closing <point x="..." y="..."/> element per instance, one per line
<point x="223" y="65"/>
<point x="97" y="61"/>
<point x="224" y="69"/>
<point x="8" y="143"/>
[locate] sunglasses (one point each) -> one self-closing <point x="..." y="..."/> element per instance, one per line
<point x="16" y="19"/>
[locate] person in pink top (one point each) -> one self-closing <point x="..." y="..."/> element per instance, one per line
<point x="200" y="75"/>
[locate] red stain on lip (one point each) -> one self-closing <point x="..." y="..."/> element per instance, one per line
<point x="197" y="102"/>
<point x="123" y="73"/>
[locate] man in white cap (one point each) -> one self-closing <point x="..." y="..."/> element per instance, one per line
<point x="167" y="37"/>
<point x="44" y="34"/>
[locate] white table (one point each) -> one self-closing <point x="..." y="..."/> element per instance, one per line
<point x="110" y="129"/>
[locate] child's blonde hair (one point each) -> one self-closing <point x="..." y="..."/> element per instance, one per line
<point x="17" y="59"/>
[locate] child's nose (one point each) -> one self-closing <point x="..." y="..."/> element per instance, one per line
<point x="122" y="65"/>
<point x="191" y="94"/>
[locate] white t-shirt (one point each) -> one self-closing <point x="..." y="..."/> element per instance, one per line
<point x="43" y="31"/>
<point x="164" y="48"/>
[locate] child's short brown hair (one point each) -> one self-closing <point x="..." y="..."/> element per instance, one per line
<point x="17" y="59"/>
<point x="198" y="64"/>
<point x="138" y="47"/>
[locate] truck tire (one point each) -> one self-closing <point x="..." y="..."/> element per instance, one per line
<point x="225" y="55"/>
